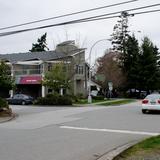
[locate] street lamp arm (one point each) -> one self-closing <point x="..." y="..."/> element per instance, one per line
<point x="89" y="81"/>
<point x="93" y="47"/>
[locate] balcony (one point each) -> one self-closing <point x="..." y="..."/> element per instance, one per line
<point x="27" y="72"/>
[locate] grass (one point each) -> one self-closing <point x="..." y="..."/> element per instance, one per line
<point x="117" y="102"/>
<point x="85" y="101"/>
<point x="106" y="102"/>
<point x="147" y="148"/>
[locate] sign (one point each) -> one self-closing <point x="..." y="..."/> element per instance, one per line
<point x="30" y="80"/>
<point x="110" y="85"/>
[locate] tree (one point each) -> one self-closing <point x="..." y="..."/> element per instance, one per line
<point x="149" y="72"/>
<point x="131" y="60"/>
<point x="41" y="44"/>
<point x="108" y="70"/>
<point x="6" y="81"/>
<point x="57" y="77"/>
<point x="120" y="33"/>
<point x="120" y="37"/>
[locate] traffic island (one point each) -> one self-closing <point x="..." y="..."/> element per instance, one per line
<point x="6" y="118"/>
<point x="5" y="112"/>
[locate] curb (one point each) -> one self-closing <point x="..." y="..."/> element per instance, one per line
<point x="6" y="119"/>
<point x="116" y="151"/>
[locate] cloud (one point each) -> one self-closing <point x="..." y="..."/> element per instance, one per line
<point x="25" y="11"/>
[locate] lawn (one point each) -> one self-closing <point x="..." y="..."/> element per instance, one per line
<point x="117" y="102"/>
<point x="85" y="101"/>
<point x="148" y="149"/>
<point x="106" y="102"/>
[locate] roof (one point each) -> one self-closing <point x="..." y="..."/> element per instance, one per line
<point x="71" y="42"/>
<point x="44" y="56"/>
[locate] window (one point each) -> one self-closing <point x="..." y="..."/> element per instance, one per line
<point x="79" y="69"/>
<point x="49" y="66"/>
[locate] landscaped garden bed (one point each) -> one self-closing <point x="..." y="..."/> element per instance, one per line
<point x="5" y="111"/>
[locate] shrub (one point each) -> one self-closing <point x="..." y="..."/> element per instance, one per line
<point x="4" y="108"/>
<point x="75" y="98"/>
<point x="98" y="97"/>
<point x="54" y="99"/>
<point x="3" y="103"/>
<point x="64" y="100"/>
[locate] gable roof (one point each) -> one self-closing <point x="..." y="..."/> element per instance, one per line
<point x="28" y="56"/>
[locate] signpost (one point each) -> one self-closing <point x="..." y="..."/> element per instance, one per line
<point x="110" y="86"/>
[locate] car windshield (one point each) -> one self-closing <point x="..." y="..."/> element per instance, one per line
<point x="153" y="96"/>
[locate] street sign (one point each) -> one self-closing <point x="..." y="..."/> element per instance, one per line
<point x="110" y="88"/>
<point x="110" y="85"/>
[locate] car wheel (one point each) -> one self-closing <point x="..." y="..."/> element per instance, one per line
<point x="144" y="111"/>
<point x="23" y="102"/>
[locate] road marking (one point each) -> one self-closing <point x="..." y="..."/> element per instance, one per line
<point x="111" y="130"/>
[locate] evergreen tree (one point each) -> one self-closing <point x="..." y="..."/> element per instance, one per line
<point x="149" y="75"/>
<point x="120" y="33"/>
<point x="120" y="37"/>
<point x="41" y="44"/>
<point x="131" y="61"/>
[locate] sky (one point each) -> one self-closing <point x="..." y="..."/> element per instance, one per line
<point x="85" y="34"/>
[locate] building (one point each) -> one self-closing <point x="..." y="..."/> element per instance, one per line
<point x="28" y="69"/>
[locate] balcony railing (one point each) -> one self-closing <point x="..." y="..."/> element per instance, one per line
<point x="28" y="72"/>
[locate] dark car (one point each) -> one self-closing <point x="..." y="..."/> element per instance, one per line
<point x="20" y="99"/>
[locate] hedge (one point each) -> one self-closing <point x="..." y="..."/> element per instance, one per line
<point x="54" y="99"/>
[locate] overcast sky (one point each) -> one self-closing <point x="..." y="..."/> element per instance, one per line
<point x="85" y="34"/>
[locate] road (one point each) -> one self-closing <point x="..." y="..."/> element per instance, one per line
<point x="73" y="133"/>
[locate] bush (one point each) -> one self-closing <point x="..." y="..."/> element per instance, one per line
<point x="64" y="100"/>
<point x="3" y="103"/>
<point x="54" y="99"/>
<point x="98" y="97"/>
<point x="4" y="108"/>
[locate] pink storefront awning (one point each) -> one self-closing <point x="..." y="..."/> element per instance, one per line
<point x="30" y="80"/>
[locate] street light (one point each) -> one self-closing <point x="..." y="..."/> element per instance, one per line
<point x="89" y="82"/>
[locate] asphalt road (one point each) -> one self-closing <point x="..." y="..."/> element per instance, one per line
<point x="73" y="133"/>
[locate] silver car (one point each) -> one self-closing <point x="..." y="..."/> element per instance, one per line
<point x="151" y="103"/>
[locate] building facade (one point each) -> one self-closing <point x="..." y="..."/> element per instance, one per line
<point x="28" y="69"/>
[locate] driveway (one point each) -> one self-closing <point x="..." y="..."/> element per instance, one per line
<point x="73" y="133"/>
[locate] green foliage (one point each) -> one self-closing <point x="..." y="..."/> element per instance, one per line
<point x="98" y="97"/>
<point x="3" y="103"/>
<point x="54" y="99"/>
<point x="149" y="73"/>
<point x="57" y="78"/>
<point x="6" y="81"/>
<point x="131" y="62"/>
<point x="41" y="44"/>
<point x="118" y="102"/>
<point x="143" y="150"/>
<point x="120" y="33"/>
<point x="140" y="65"/>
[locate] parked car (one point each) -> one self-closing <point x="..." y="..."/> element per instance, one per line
<point x="151" y="102"/>
<point x="135" y="93"/>
<point x="20" y="99"/>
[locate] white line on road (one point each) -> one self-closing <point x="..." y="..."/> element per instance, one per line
<point x="111" y="130"/>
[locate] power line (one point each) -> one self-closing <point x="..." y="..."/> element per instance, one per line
<point x="144" y="12"/>
<point x="94" y="18"/>
<point x="70" y="14"/>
